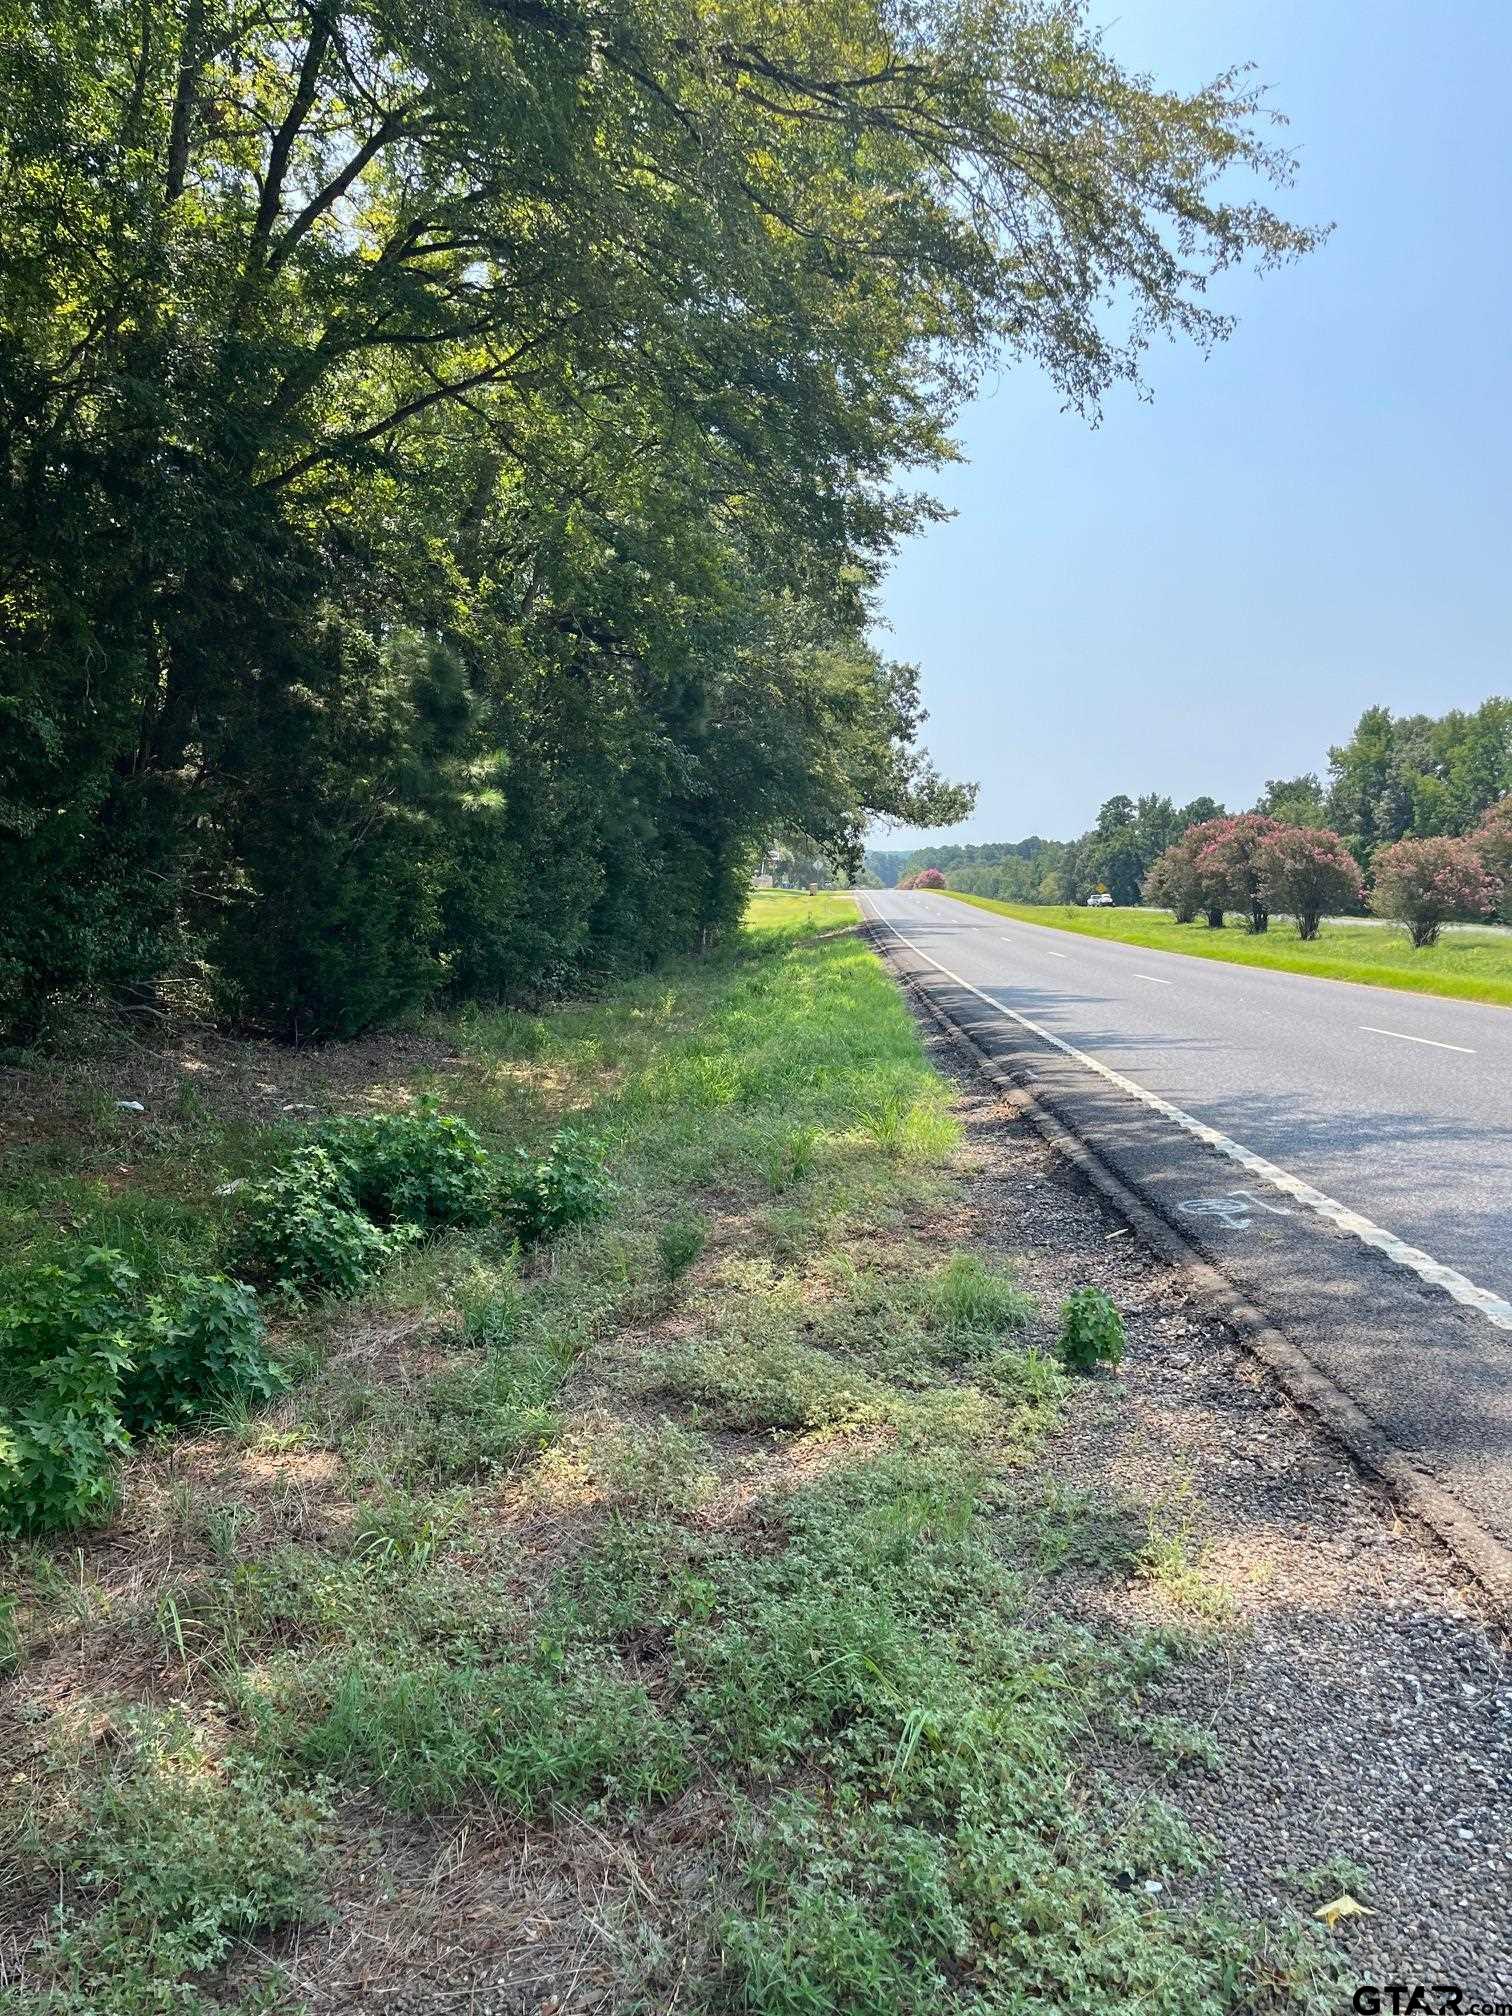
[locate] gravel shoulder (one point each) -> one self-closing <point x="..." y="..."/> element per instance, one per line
<point x="1359" y="1699"/>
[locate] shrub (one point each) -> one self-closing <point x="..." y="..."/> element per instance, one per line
<point x="310" y="1225"/>
<point x="565" y="1186"/>
<point x="1092" y="1331"/>
<point x="83" y="1363"/>
<point x="1228" y="855"/>
<point x="1173" y="883"/>
<point x="64" y="1353"/>
<point x="203" y="1343"/>
<point x="929" y="878"/>
<point x="65" y="1350"/>
<point x="305" y="1233"/>
<point x="48" y="1311"/>
<point x="1420" y="884"/>
<point x="1210" y="894"/>
<point x="1308" y="871"/>
<point x="420" y="1168"/>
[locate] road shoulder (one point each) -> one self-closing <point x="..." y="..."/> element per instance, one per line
<point x="1413" y="1384"/>
<point x="1347" y="1656"/>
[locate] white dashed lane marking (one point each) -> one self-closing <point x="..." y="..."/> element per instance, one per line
<point x="1402" y="1037"/>
<point x="1495" y="1308"/>
<point x="1156" y="978"/>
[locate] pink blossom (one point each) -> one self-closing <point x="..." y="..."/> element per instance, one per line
<point x="1492" y="841"/>
<point x="1308" y="871"/>
<point x="1228" y="863"/>
<point x="1423" y="883"/>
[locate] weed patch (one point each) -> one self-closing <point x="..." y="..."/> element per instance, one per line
<point x="529" y="1732"/>
<point x="1092" y="1331"/>
<point x="1174" y="1560"/>
<point x="466" y="1421"/>
<point x="168" y="1858"/>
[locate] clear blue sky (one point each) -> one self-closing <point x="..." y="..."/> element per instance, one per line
<point x="1207" y="590"/>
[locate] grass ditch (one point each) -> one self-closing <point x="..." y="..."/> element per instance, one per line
<point x="693" y="1540"/>
<point x="1466" y="965"/>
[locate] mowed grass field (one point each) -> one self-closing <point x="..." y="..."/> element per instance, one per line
<point x="1471" y="965"/>
<point x="633" y="1623"/>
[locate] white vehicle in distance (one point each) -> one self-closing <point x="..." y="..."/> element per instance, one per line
<point x="1102" y="900"/>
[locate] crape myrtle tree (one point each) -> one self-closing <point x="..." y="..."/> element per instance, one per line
<point x="1200" y="820"/>
<point x="1173" y="882"/>
<point x="450" y="452"/>
<point x="1306" y="872"/>
<point x="1229" y="863"/>
<point x="1423" y="884"/>
<point x="1212" y="890"/>
<point x="1492" y="840"/>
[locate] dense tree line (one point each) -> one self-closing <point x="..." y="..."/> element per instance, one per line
<point x="1418" y="777"/>
<point x="1396" y="779"/>
<point x="448" y="453"/>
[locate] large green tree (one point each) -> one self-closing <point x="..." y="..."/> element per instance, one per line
<point x="450" y="449"/>
<point x="1418" y="776"/>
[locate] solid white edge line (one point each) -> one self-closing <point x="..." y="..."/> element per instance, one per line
<point x="1402" y="1037"/>
<point x="1495" y="1308"/>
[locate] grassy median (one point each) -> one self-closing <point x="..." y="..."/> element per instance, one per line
<point x="1468" y="965"/>
<point x="645" y="1612"/>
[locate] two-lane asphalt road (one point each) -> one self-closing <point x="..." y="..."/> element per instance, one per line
<point x="1343" y="1153"/>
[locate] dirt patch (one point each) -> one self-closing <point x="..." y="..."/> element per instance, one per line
<point x="501" y="1918"/>
<point x="234" y="1081"/>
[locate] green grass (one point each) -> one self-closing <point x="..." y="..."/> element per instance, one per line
<point x="175" y="1857"/>
<point x="724" y="1507"/>
<point x="1466" y="965"/>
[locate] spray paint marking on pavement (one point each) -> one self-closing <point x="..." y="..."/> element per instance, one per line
<point x="1233" y="1208"/>
<point x="1495" y="1308"/>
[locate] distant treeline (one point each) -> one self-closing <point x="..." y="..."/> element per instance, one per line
<point x="1417" y="776"/>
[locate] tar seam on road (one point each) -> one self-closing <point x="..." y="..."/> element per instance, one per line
<point x="1454" y="1284"/>
<point x="1402" y="1037"/>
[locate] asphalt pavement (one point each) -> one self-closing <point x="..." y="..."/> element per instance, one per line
<point x="1342" y="1153"/>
